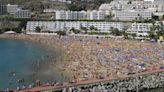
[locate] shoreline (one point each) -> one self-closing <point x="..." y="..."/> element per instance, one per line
<point x="45" y="44"/>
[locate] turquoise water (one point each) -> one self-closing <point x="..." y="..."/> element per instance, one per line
<point x="23" y="60"/>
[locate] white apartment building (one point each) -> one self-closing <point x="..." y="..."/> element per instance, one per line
<point x="17" y="12"/>
<point x="140" y="29"/>
<point x="60" y="14"/>
<point x="66" y="15"/>
<point x="3" y="9"/>
<point x="67" y="25"/>
<point x="120" y="5"/>
<point x="72" y="15"/>
<point x="48" y="25"/>
<point x="49" y="11"/>
<point x="63" y="1"/>
<point x="22" y="14"/>
<point x="135" y="5"/>
<point x="159" y="1"/>
<point x="105" y="7"/>
<point x="132" y="15"/>
<point x="152" y="6"/>
<point x="95" y="15"/>
<point x="149" y="0"/>
<point x="114" y="5"/>
<point x="120" y="1"/>
<point x="12" y="9"/>
<point x="80" y="15"/>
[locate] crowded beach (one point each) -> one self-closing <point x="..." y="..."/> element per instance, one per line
<point x="88" y="58"/>
<point x="94" y="57"/>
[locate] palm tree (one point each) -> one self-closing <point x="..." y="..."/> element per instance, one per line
<point x="109" y="17"/>
<point x="75" y="30"/>
<point x="38" y="29"/>
<point x="161" y="28"/>
<point x="115" y="32"/>
<point x="158" y="27"/>
<point x="1" y="31"/>
<point x="61" y="33"/>
<point x="125" y="34"/>
<point x="153" y="28"/>
<point x="84" y="29"/>
<point x="134" y="35"/>
<point x="92" y="27"/>
<point x="152" y="31"/>
<point x="72" y="29"/>
<point x="151" y="34"/>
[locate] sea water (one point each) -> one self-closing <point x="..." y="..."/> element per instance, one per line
<point x="24" y="62"/>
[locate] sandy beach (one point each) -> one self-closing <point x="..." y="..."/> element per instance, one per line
<point x="90" y="57"/>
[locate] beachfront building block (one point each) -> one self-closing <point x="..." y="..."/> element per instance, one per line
<point x="140" y="29"/>
<point x="3" y="9"/>
<point x="133" y="10"/>
<point x="159" y="1"/>
<point x="62" y="1"/>
<point x="131" y="5"/>
<point x="12" y="9"/>
<point x="133" y="15"/>
<point x="95" y="15"/>
<point x="22" y="14"/>
<point x="67" y="25"/>
<point x="79" y="15"/>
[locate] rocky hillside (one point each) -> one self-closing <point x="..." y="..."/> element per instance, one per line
<point x="39" y="5"/>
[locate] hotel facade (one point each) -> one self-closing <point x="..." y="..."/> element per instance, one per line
<point x="67" y="25"/>
<point x="133" y="15"/>
<point x="12" y="9"/>
<point x="22" y="14"/>
<point x="79" y="15"/>
<point x="140" y="29"/>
